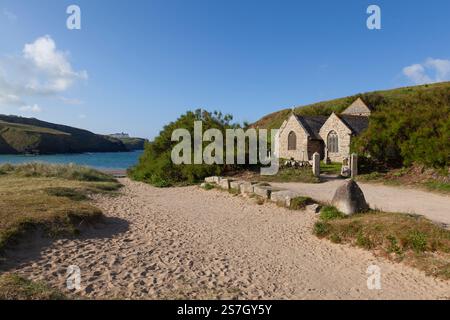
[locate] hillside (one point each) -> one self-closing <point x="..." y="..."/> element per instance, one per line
<point x="373" y="99"/>
<point x="20" y="135"/>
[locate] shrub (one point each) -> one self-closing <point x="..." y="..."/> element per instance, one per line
<point x="208" y="186"/>
<point x="155" y="165"/>
<point x="321" y="228"/>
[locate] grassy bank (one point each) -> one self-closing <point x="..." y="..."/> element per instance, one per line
<point x="410" y="239"/>
<point x="284" y="175"/>
<point x="415" y="176"/>
<point x="14" y="287"/>
<point x="51" y="197"/>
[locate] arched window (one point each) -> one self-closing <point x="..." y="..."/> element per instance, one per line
<point x="333" y="142"/>
<point x="292" y="141"/>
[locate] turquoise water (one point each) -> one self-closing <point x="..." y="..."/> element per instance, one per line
<point x="103" y="161"/>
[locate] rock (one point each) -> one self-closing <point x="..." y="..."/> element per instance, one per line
<point x="224" y="183"/>
<point x="213" y="179"/>
<point x="203" y="185"/>
<point x="283" y="197"/>
<point x="264" y="191"/>
<point x="349" y="198"/>
<point x="236" y="185"/>
<point x="314" y="208"/>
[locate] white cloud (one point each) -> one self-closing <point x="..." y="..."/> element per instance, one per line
<point x="33" y="109"/>
<point x="42" y="70"/>
<point x="9" y="15"/>
<point x="432" y="70"/>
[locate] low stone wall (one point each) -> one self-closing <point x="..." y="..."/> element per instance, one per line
<point x="263" y="190"/>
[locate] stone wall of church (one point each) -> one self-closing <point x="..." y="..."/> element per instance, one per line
<point x="301" y="151"/>
<point x="344" y="138"/>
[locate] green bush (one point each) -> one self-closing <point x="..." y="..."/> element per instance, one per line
<point x="413" y="129"/>
<point x="155" y="165"/>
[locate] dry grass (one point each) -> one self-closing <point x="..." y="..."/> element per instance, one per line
<point x="48" y="196"/>
<point x="411" y="239"/>
<point x="14" y="287"/>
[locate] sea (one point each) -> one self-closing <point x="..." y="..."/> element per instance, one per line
<point x="105" y="161"/>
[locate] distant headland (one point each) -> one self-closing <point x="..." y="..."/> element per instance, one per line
<point x="20" y="135"/>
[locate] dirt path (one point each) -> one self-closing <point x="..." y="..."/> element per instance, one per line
<point x="192" y="243"/>
<point x="392" y="199"/>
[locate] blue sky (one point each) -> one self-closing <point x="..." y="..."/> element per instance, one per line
<point x="136" y="65"/>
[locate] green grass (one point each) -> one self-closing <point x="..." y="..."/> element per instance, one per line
<point x="15" y="287"/>
<point x="208" y="186"/>
<point x="300" y="203"/>
<point x="331" y="168"/>
<point x="292" y="175"/>
<point x="275" y="119"/>
<point x="330" y="213"/>
<point x="53" y="198"/>
<point x="411" y="239"/>
<point x="442" y="187"/>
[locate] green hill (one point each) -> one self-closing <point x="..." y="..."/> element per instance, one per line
<point x="20" y="135"/>
<point x="373" y="99"/>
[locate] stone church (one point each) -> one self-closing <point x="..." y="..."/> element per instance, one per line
<point x="301" y="136"/>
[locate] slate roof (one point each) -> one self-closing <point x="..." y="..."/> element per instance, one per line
<point x="355" y="123"/>
<point x="312" y="125"/>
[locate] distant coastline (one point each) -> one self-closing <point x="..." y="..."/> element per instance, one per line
<point x="30" y="136"/>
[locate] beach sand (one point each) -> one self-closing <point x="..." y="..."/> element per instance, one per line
<point x="196" y="244"/>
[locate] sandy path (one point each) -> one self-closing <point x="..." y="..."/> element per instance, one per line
<point x="392" y="199"/>
<point x="192" y="243"/>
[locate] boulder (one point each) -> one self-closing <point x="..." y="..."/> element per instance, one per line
<point x="349" y="198"/>
<point x="283" y="197"/>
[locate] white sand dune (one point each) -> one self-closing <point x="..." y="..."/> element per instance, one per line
<point x="191" y="243"/>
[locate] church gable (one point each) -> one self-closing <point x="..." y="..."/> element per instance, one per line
<point x="293" y="140"/>
<point x="357" y="108"/>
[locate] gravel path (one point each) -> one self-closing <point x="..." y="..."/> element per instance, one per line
<point x="392" y="199"/>
<point x="192" y="243"/>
